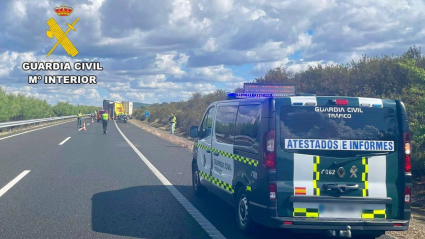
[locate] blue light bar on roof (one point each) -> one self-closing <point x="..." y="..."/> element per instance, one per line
<point x="252" y="95"/>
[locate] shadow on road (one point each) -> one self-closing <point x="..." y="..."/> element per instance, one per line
<point x="222" y="216"/>
<point x="152" y="212"/>
<point x="142" y="212"/>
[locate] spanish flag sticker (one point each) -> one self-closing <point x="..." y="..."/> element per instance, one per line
<point x="300" y="191"/>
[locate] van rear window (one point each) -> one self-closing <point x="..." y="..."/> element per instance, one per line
<point x="337" y="131"/>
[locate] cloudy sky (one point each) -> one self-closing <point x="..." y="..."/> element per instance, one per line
<point x="164" y="50"/>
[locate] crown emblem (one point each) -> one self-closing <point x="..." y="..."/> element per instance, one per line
<point x="63" y="10"/>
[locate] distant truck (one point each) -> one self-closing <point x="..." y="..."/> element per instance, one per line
<point x="128" y="107"/>
<point x="116" y="108"/>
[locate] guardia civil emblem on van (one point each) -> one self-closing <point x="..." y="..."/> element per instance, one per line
<point x="353" y="171"/>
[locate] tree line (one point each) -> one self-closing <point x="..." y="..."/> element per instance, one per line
<point x="15" y="107"/>
<point x="387" y="77"/>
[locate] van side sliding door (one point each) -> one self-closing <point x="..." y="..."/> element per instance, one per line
<point x="222" y="144"/>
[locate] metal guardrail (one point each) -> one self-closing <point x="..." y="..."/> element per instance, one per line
<point x="35" y="121"/>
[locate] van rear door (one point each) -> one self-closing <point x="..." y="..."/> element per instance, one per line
<point x="338" y="158"/>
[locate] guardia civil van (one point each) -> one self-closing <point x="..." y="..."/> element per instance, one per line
<point x="335" y="165"/>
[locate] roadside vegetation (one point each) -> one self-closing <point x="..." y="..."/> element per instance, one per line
<point x="19" y="107"/>
<point x="393" y="77"/>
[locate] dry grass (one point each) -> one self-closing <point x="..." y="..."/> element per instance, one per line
<point x="417" y="223"/>
<point x="164" y="132"/>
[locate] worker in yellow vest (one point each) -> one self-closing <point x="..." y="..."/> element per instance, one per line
<point x="172" y="120"/>
<point x="79" y="119"/>
<point x="105" y="118"/>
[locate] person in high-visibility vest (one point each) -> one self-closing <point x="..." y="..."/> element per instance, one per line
<point x="105" y="118"/>
<point x="172" y="120"/>
<point x="79" y="119"/>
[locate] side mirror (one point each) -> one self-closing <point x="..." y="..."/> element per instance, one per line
<point x="193" y="132"/>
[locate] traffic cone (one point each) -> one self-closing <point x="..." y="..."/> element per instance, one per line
<point x="92" y="120"/>
<point x="84" y="126"/>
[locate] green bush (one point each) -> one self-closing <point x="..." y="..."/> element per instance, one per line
<point x="401" y="77"/>
<point x="188" y="113"/>
<point x="19" y="107"/>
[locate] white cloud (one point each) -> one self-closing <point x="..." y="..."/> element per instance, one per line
<point x="257" y="14"/>
<point x="210" y="45"/>
<point x="304" y="66"/>
<point x="207" y="74"/>
<point x="115" y="96"/>
<point x="262" y="68"/>
<point x="164" y="50"/>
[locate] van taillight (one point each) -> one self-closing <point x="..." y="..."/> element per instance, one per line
<point x="269" y="155"/>
<point x="407" y="163"/>
<point x="273" y="191"/>
<point x="407" y="195"/>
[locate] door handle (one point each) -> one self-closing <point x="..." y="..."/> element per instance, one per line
<point x="341" y="188"/>
<point x="208" y="151"/>
<point x="216" y="153"/>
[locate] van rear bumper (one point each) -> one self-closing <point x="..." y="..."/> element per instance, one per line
<point x="339" y="224"/>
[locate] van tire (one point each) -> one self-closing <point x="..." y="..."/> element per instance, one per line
<point x="197" y="188"/>
<point x="243" y="218"/>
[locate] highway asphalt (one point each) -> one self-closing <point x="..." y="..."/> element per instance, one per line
<point x="96" y="186"/>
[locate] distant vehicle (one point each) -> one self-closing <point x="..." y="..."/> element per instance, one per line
<point x="123" y="118"/>
<point x="114" y="108"/>
<point x="99" y="115"/>
<point x="92" y="115"/>
<point x="322" y="164"/>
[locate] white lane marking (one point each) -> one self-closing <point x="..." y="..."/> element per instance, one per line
<point x="64" y="141"/>
<point x="203" y="222"/>
<point x="80" y="129"/>
<point x="32" y="130"/>
<point x="13" y="182"/>
<point x="88" y="124"/>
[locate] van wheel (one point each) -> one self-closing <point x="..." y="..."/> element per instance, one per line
<point x="198" y="189"/>
<point x="243" y="218"/>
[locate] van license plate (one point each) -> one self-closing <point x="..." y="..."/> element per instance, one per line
<point x="340" y="210"/>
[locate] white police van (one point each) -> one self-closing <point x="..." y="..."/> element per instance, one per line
<point x="335" y="165"/>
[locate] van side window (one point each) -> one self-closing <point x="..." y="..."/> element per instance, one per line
<point x="225" y="124"/>
<point x="206" y="125"/>
<point x="247" y="126"/>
